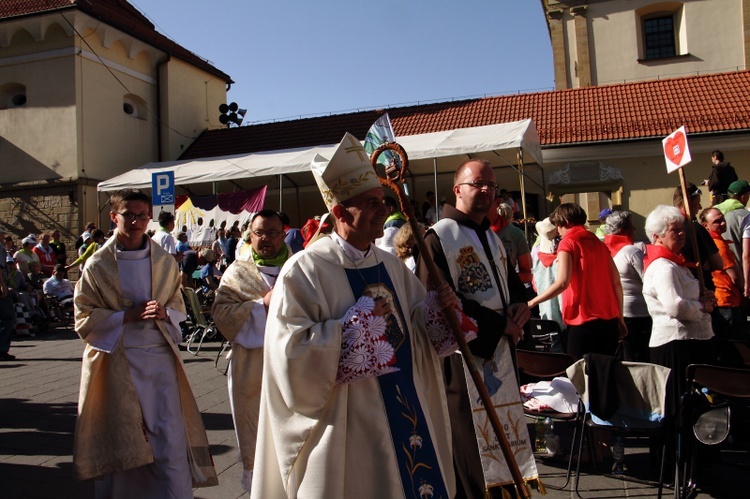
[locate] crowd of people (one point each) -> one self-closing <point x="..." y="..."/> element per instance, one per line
<point x="341" y="349"/>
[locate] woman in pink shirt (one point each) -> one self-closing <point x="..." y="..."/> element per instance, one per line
<point x="590" y="284"/>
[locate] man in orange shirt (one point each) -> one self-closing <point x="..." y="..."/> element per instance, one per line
<point x="727" y="318"/>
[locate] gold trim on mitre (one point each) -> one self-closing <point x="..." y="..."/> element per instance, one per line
<point x="347" y="174"/>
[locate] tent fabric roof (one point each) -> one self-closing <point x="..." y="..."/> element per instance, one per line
<point x="497" y="142"/>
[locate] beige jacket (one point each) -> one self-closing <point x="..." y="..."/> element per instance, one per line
<point x="110" y="435"/>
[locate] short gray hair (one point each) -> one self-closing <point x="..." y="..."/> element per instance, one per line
<point x="659" y="220"/>
<point x="617" y="220"/>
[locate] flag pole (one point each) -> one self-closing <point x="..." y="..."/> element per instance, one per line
<point x="689" y="229"/>
<point x="394" y="179"/>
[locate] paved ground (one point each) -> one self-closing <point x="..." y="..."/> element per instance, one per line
<point x="39" y="395"/>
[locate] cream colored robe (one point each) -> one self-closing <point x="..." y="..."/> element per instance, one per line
<point x="319" y="440"/>
<point x="109" y="433"/>
<point x="241" y="285"/>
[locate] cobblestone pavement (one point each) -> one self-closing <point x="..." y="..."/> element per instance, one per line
<point x="39" y="396"/>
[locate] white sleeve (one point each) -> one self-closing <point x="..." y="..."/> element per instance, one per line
<point x="746" y="227"/>
<point x="252" y="332"/>
<point x="107" y="333"/>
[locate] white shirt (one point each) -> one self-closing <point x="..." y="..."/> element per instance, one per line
<point x="673" y="298"/>
<point x="165" y="240"/>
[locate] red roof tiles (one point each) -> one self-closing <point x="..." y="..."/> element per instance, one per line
<point x="704" y="104"/>
<point x="116" y="13"/>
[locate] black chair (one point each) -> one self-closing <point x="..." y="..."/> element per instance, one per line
<point x="543" y="334"/>
<point x="633" y="399"/>
<point x="705" y="412"/>
<point x="536" y="366"/>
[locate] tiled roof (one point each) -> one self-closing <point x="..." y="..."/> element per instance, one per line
<point x="716" y="103"/>
<point x="116" y="13"/>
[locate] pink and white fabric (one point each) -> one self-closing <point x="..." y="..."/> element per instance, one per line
<point x="365" y="351"/>
<point x="439" y="329"/>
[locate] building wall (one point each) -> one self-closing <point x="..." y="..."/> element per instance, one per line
<point x="645" y="181"/>
<point x="73" y="128"/>
<point x="191" y="100"/>
<point x="712" y="38"/>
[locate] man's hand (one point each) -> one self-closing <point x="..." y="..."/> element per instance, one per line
<point x="519" y="313"/>
<point x="446" y="297"/>
<point x="513" y="331"/>
<point x="154" y="310"/>
<point x="267" y="298"/>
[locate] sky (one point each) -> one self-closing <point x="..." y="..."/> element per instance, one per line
<point x="301" y="58"/>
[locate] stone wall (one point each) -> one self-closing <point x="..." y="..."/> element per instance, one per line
<point x="31" y="210"/>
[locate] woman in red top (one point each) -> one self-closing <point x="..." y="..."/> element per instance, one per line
<point x="590" y="284"/>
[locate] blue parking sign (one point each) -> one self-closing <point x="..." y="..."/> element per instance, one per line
<point x="162" y="185"/>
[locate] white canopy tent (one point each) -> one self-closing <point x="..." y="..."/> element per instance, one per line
<point x="429" y="154"/>
<point x="449" y="148"/>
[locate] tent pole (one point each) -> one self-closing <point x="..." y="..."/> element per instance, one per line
<point x="434" y="176"/>
<point x="281" y="193"/>
<point x="523" y="193"/>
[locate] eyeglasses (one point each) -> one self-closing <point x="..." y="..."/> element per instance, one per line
<point x="271" y="234"/>
<point x="481" y="184"/>
<point x="131" y="217"/>
<point x="696" y="192"/>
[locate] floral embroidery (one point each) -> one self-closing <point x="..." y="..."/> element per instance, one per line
<point x="365" y="352"/>
<point x="439" y="329"/>
<point x="413" y="464"/>
<point x="474" y="276"/>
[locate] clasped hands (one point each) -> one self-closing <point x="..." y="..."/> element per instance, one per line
<point x="150" y="310"/>
<point x="517" y="315"/>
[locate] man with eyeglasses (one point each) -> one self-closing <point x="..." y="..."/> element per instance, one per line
<point x="471" y="258"/>
<point x="139" y="432"/>
<point x="240" y="310"/>
<point x="352" y="402"/>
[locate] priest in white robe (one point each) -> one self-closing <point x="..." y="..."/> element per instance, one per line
<point x="239" y="311"/>
<point x="353" y="403"/>
<point x="139" y="431"/>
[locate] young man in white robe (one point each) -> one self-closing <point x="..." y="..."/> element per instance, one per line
<point x="139" y="431"/>
<point x="239" y="311"/>
<point x="352" y="401"/>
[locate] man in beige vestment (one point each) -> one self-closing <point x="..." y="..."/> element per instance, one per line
<point x="352" y="401"/>
<point x="239" y="311"/>
<point x="139" y="430"/>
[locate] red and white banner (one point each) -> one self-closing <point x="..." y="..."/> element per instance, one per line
<point x="676" y="151"/>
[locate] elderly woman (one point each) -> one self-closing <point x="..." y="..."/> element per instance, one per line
<point x="628" y="258"/>
<point x="590" y="285"/>
<point x="680" y="311"/>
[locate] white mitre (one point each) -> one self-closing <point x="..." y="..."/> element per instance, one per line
<point x="346" y="174"/>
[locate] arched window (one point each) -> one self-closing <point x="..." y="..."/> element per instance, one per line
<point x="12" y="95"/>
<point x="134" y="106"/>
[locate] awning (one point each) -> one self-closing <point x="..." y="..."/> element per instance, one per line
<point x="498" y="143"/>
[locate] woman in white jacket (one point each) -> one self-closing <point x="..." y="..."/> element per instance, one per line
<point x="679" y="309"/>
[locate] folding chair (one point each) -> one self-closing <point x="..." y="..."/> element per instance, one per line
<point x="705" y="413"/>
<point x="63" y="314"/>
<point x="202" y="327"/>
<point x="224" y="346"/>
<point x="631" y="404"/>
<point x="545" y="366"/>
